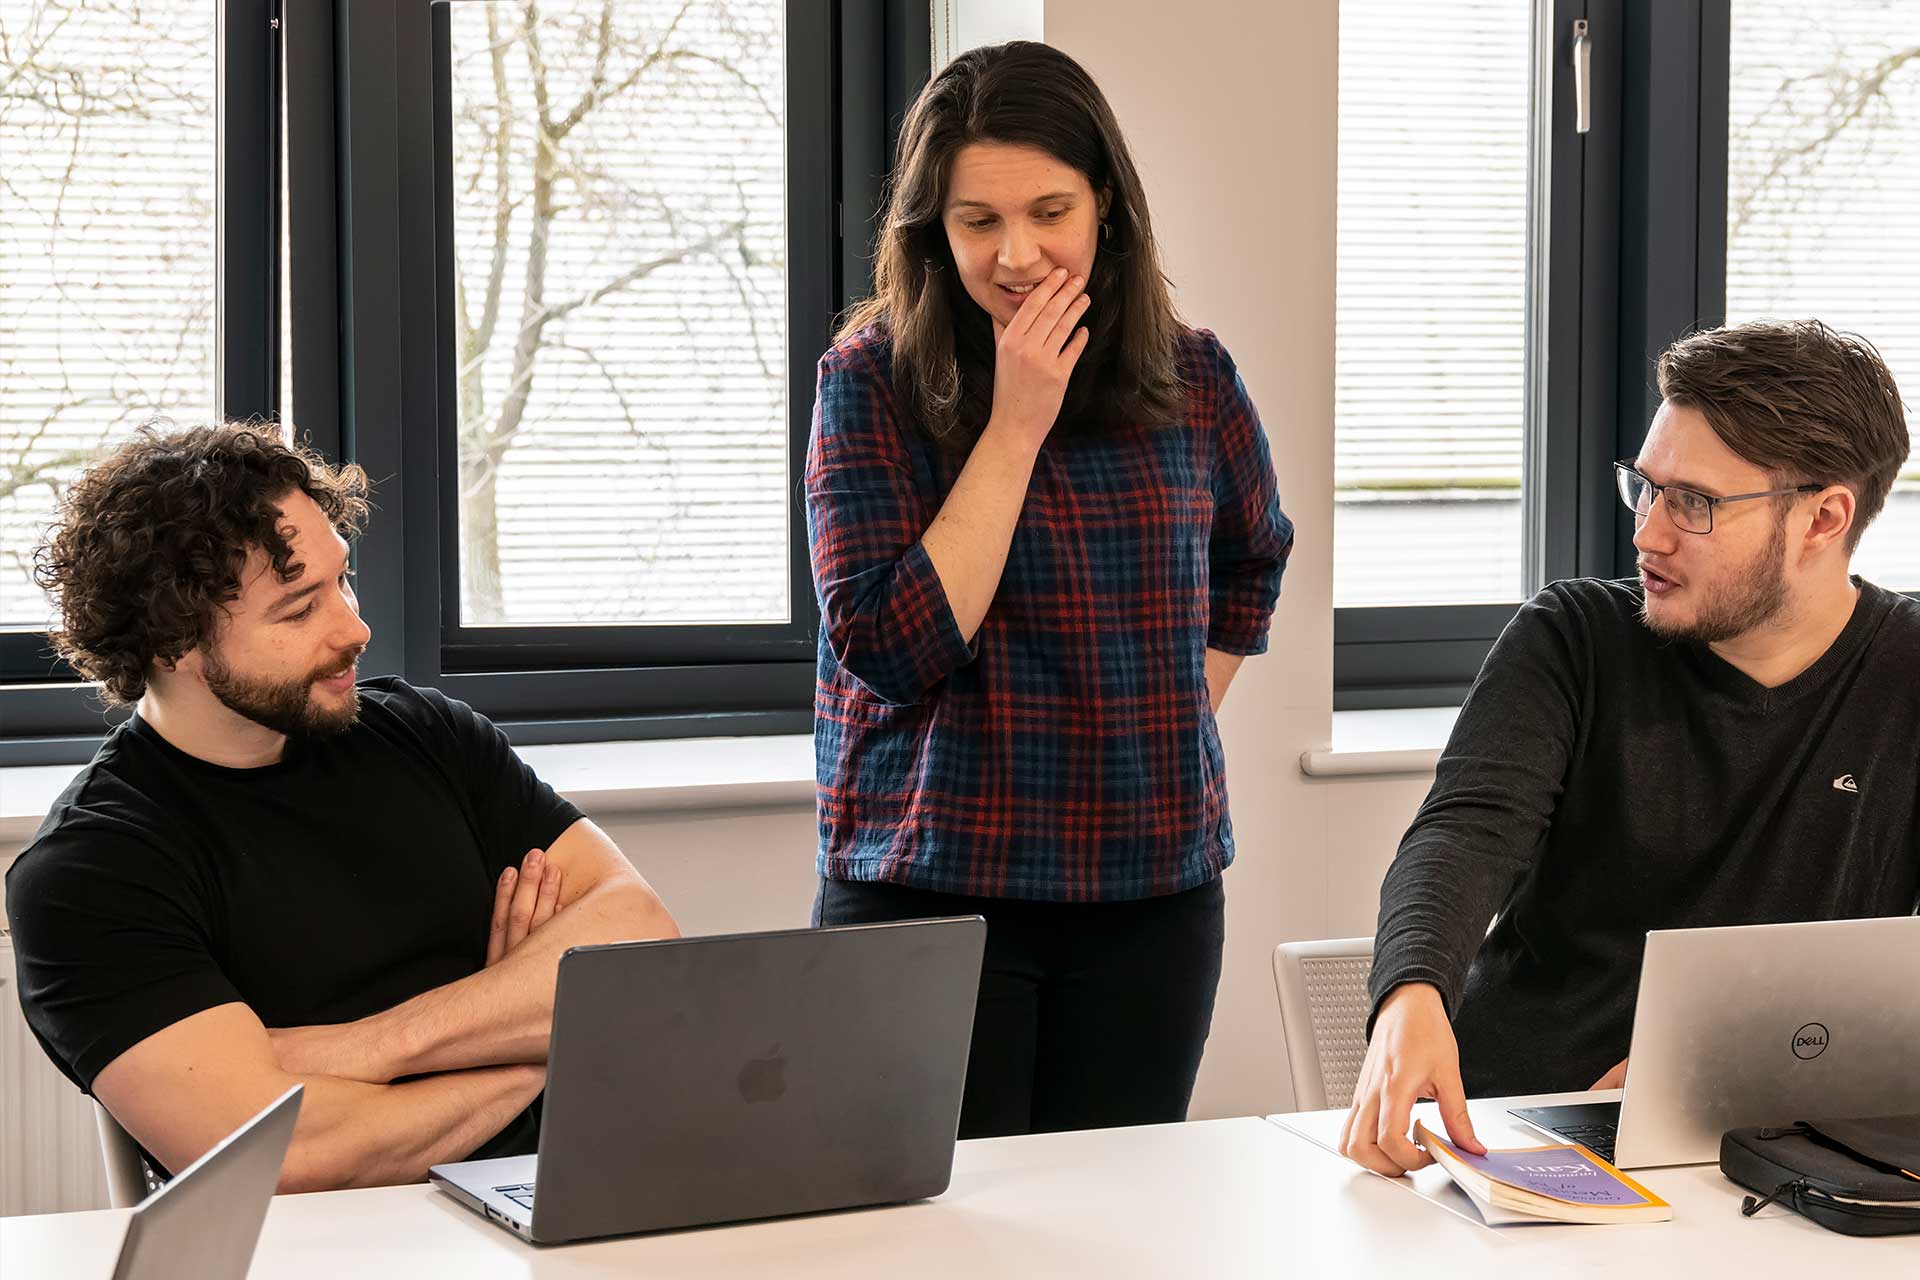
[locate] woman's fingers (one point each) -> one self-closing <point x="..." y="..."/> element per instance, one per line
<point x="1064" y="327"/>
<point x="1046" y="324"/>
<point x="1075" y="345"/>
<point x="1028" y="316"/>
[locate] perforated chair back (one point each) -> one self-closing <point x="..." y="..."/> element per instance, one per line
<point x="127" y="1182"/>
<point x="1323" y="1017"/>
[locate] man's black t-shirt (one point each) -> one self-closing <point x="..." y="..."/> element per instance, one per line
<point x="1602" y="781"/>
<point x="354" y="874"/>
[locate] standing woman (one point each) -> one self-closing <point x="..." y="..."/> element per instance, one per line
<point x="1044" y="533"/>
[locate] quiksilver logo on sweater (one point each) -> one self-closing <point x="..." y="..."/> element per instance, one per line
<point x="1845" y="782"/>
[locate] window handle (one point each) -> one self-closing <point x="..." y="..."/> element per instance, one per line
<point x="1582" y="77"/>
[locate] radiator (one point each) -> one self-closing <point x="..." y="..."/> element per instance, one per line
<point x="49" y="1151"/>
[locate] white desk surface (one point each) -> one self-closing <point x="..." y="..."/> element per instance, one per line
<point x="1706" y="1239"/>
<point x="1215" y="1198"/>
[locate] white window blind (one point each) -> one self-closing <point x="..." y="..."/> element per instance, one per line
<point x="1823" y="199"/>
<point x="1430" y="331"/>
<point x="107" y="178"/>
<point x="622" y="311"/>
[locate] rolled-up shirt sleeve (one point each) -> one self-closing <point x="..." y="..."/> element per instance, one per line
<point x="887" y="619"/>
<point x="1252" y="537"/>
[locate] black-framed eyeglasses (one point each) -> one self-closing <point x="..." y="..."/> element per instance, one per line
<point x="1689" y="509"/>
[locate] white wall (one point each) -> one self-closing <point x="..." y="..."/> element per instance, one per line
<point x="959" y="25"/>
<point x="1229" y="110"/>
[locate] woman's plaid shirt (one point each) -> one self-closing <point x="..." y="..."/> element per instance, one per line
<point x="1068" y="754"/>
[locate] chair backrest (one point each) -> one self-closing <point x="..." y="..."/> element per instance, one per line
<point x="1323" y="1016"/>
<point x="127" y="1183"/>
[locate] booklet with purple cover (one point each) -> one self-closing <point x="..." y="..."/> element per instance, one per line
<point x="1565" y="1183"/>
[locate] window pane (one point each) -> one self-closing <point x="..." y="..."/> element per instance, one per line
<point x="107" y="176"/>
<point x="1430" y="333"/>
<point x="1823" y="199"/>
<point x="620" y="232"/>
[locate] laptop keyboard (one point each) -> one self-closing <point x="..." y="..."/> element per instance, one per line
<point x="1597" y="1138"/>
<point x="521" y="1193"/>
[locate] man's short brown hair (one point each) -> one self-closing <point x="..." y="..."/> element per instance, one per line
<point x="150" y="541"/>
<point x="1810" y="405"/>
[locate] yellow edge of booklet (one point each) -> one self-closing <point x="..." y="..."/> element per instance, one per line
<point x="1443" y="1150"/>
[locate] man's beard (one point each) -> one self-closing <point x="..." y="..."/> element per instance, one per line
<point x="1749" y="598"/>
<point x="286" y="707"/>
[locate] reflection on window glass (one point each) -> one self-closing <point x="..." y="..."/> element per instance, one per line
<point x="1823" y="199"/>
<point x="1430" y="333"/>
<point x="107" y="173"/>
<point x="620" y="232"/>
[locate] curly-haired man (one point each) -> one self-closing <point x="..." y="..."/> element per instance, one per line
<point x="270" y="873"/>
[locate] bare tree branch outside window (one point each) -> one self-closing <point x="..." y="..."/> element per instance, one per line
<point x="620" y="310"/>
<point x="1823" y="199"/>
<point x="106" y="248"/>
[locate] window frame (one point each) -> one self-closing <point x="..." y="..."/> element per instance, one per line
<point x="364" y="273"/>
<point x="850" y="72"/>
<point x="1634" y="255"/>
<point x="51" y="715"/>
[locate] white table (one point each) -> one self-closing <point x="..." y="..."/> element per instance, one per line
<point x="1706" y="1239"/>
<point x="1217" y="1198"/>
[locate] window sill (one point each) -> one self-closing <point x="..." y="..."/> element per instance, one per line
<point x="1399" y="741"/>
<point x="603" y="778"/>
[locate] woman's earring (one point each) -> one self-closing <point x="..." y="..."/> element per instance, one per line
<point x="931" y="267"/>
<point x="1106" y="233"/>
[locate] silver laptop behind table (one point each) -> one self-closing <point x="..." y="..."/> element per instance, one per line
<point x="704" y="1080"/>
<point x="1758" y="1025"/>
<point x="204" y="1224"/>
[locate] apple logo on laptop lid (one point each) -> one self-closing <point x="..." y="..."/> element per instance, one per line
<point x="764" y="1079"/>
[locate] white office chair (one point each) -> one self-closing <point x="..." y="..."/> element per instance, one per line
<point x="1323" y="1017"/>
<point x="127" y="1180"/>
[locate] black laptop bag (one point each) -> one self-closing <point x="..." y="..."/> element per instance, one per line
<point x="1849" y="1176"/>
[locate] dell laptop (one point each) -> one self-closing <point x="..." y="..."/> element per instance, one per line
<point x="704" y="1080"/>
<point x="204" y="1223"/>
<point x="1758" y="1025"/>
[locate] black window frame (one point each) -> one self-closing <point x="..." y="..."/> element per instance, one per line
<point x="1634" y="215"/>
<point x="48" y="715"/>
<point x="364" y="272"/>
<point x="1634" y="220"/>
<point x="851" y="68"/>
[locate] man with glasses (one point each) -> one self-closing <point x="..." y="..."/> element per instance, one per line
<point x="1726" y="738"/>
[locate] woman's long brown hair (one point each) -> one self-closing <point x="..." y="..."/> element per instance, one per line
<point x="1026" y="94"/>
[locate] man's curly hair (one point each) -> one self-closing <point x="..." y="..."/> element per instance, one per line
<point x="151" y="540"/>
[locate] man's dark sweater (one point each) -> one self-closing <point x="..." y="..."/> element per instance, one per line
<point x="1602" y="781"/>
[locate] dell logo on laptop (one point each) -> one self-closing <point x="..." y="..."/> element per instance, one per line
<point x="1810" y="1041"/>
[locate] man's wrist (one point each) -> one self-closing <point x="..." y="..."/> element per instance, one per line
<point x="1397" y="997"/>
<point x="382" y="1045"/>
<point x="1413" y="991"/>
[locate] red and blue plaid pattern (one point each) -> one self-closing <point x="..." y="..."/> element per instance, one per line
<point x="1068" y="754"/>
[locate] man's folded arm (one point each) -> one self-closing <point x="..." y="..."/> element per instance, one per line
<point x="1486" y="818"/>
<point x="187" y="1086"/>
<point x="502" y="1014"/>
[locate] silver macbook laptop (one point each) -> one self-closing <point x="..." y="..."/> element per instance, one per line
<point x="704" y="1080"/>
<point x="1762" y="1024"/>
<point x="204" y="1224"/>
